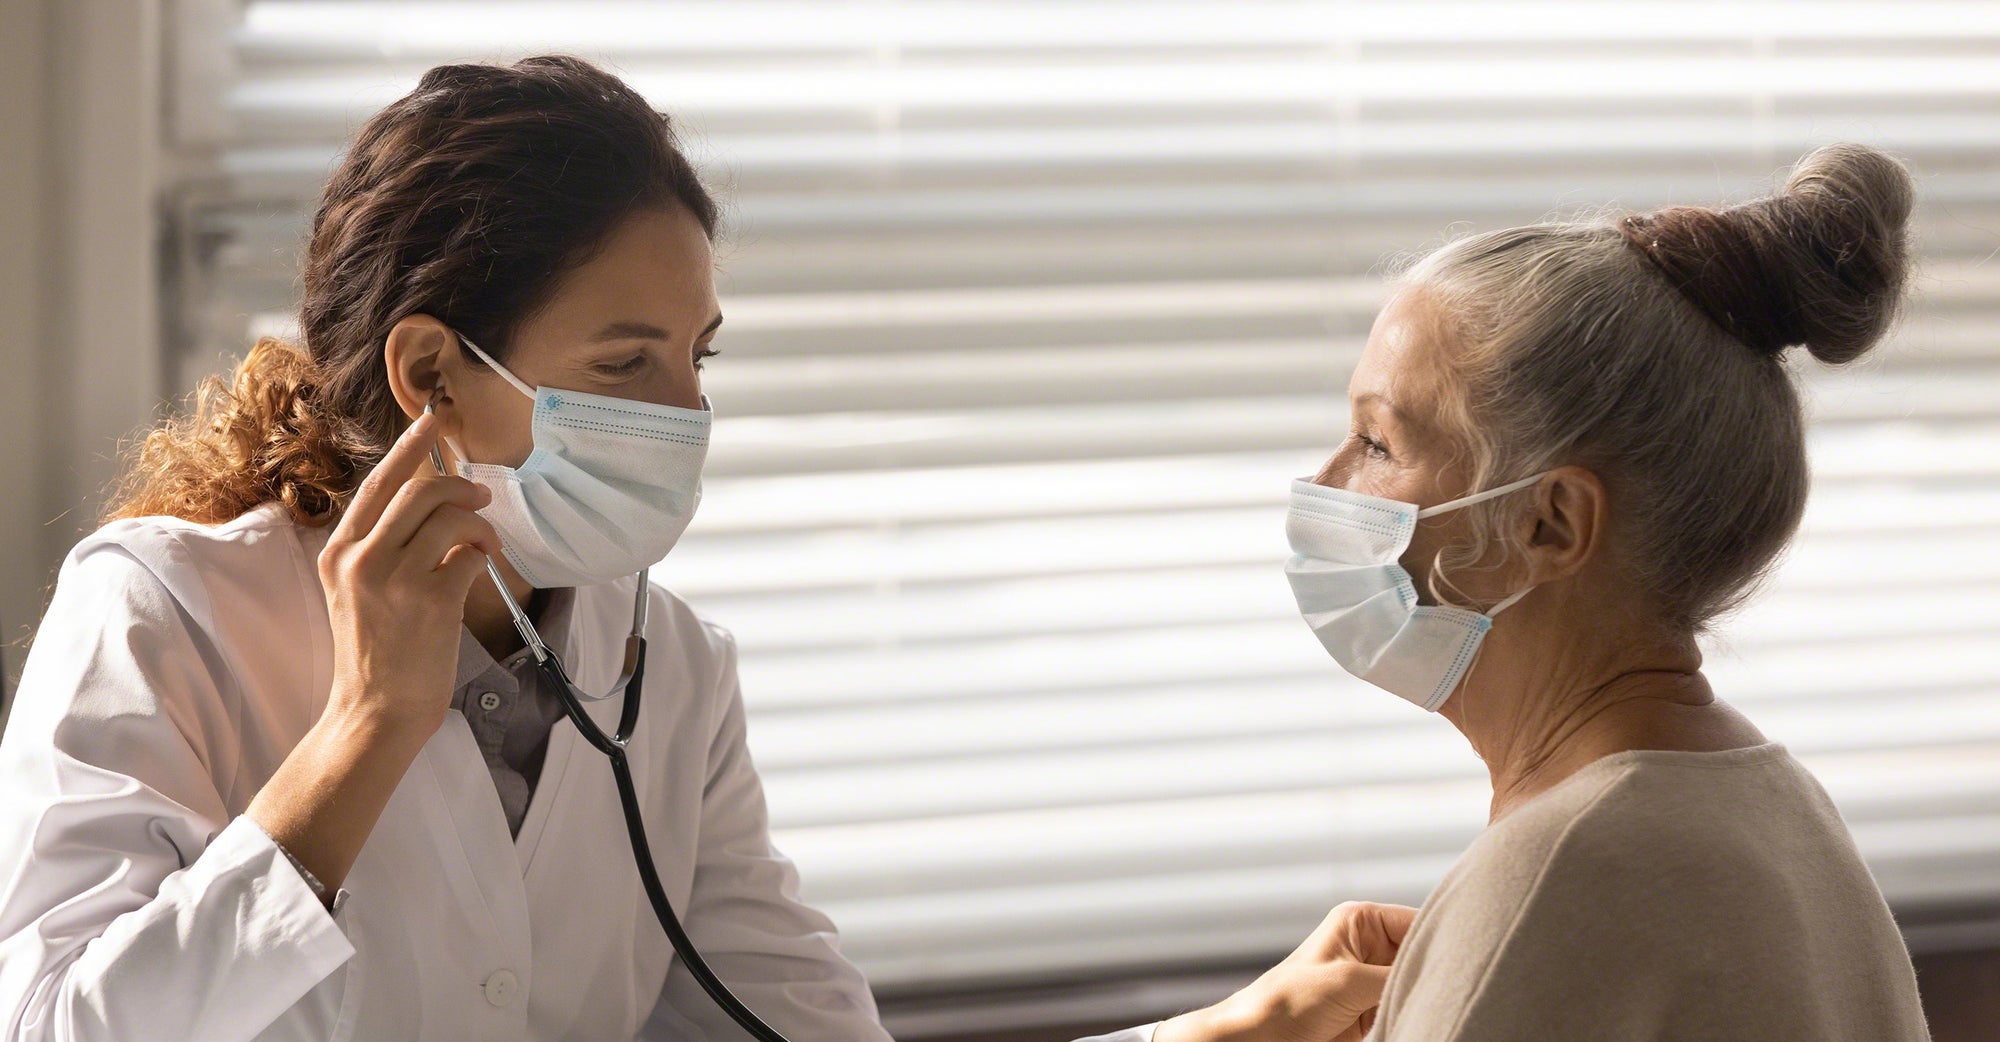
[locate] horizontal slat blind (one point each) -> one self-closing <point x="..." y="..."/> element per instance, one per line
<point x="1034" y="308"/>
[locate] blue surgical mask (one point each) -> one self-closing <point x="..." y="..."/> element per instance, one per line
<point x="1362" y="604"/>
<point x="610" y="487"/>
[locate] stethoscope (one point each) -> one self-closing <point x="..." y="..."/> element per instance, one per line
<point x="631" y="681"/>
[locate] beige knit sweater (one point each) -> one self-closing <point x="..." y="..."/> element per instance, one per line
<point x="1659" y="895"/>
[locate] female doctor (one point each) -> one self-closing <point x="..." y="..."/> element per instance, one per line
<point x="281" y="766"/>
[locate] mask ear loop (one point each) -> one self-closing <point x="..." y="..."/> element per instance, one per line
<point x="1466" y="501"/>
<point x="1505" y="603"/>
<point x="497" y="367"/>
<point x="1509" y="601"/>
<point x="1478" y="497"/>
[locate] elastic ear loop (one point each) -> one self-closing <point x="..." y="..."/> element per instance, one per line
<point x="1508" y="602"/>
<point x="497" y="367"/>
<point x="1505" y="603"/>
<point x="1466" y="501"/>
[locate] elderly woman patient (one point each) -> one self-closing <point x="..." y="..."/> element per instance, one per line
<point x="1573" y="446"/>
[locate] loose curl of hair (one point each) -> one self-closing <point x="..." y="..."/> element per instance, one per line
<point x="468" y="200"/>
<point x="258" y="437"/>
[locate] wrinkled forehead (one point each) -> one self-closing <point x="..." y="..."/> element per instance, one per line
<point x="1404" y="365"/>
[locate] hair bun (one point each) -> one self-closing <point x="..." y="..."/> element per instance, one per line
<point x="1821" y="264"/>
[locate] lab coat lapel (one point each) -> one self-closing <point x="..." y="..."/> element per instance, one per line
<point x="464" y="815"/>
<point x="563" y="741"/>
<point x="590" y="645"/>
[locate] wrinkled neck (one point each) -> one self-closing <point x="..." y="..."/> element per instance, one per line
<point x="1537" y="708"/>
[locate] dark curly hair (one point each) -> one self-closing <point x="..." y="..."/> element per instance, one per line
<point x="468" y="200"/>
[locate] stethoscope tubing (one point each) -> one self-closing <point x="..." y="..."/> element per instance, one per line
<point x="613" y="746"/>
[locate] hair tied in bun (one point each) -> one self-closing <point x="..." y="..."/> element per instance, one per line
<point x="1821" y="264"/>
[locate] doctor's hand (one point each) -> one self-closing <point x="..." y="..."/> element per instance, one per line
<point x="396" y="572"/>
<point x="1326" y="991"/>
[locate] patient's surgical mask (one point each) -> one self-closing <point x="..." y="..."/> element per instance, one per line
<point x="1362" y="604"/>
<point x="610" y="487"/>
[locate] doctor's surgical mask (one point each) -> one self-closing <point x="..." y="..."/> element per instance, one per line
<point x="609" y="488"/>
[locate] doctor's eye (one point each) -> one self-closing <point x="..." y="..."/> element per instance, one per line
<point x="703" y="354"/>
<point x="624" y="368"/>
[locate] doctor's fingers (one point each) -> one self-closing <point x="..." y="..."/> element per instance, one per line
<point x="1350" y="991"/>
<point x="447" y="526"/>
<point x="413" y="504"/>
<point x="460" y="568"/>
<point x="1361" y="930"/>
<point x="380" y="486"/>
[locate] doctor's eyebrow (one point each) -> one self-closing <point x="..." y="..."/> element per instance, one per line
<point x="629" y="330"/>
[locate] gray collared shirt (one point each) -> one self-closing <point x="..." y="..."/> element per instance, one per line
<point x="510" y="709"/>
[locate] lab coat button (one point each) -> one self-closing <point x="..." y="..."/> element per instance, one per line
<point x="489" y="701"/>
<point x="501" y="986"/>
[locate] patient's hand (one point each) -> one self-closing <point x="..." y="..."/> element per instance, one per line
<point x="1326" y="991"/>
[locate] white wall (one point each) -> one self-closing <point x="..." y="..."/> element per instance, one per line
<point x="24" y="191"/>
<point x="79" y="328"/>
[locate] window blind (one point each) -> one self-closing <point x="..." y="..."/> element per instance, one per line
<point x="1034" y="309"/>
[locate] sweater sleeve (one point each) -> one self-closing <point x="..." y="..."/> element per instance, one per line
<point x="132" y="903"/>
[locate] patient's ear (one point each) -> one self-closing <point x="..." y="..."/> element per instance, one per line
<point x="1566" y="526"/>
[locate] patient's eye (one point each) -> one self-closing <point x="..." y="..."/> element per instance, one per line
<point x="1370" y="447"/>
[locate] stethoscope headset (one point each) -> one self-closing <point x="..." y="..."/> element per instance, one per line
<point x="631" y="681"/>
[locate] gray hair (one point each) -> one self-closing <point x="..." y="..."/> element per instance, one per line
<point x="1650" y="350"/>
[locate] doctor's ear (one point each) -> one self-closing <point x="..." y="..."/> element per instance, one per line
<point x="1567" y="523"/>
<point x="416" y="355"/>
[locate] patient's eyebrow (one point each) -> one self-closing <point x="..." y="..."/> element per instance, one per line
<point x="1381" y="402"/>
<point x="1371" y="398"/>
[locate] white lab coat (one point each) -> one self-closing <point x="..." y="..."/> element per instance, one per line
<point x="176" y="668"/>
